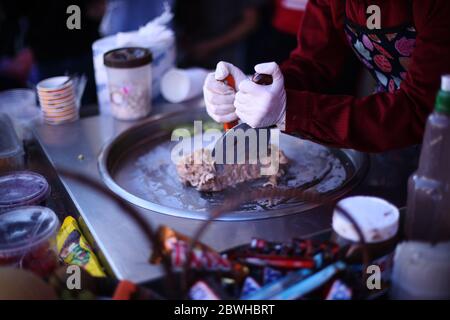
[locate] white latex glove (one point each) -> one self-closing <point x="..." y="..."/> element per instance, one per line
<point x="219" y="97"/>
<point x="262" y="105"/>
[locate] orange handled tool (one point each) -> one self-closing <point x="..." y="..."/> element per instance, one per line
<point x="229" y="80"/>
<point x="259" y="78"/>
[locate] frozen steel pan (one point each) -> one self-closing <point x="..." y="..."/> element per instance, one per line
<point x="137" y="166"/>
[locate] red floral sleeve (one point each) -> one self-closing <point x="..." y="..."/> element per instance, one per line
<point x="380" y="121"/>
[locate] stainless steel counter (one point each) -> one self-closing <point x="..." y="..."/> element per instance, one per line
<point x="124" y="248"/>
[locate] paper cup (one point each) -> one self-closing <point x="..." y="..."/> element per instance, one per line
<point x="61" y="121"/>
<point x="56" y="97"/>
<point x="59" y="103"/>
<point x="54" y="85"/>
<point x="60" y="111"/>
<point x="62" y="116"/>
<point x="57" y="100"/>
<point x="179" y="85"/>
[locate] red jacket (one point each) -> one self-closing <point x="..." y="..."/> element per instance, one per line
<point x="381" y="121"/>
<point x="288" y="19"/>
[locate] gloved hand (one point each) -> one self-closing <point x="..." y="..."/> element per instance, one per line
<point x="262" y="105"/>
<point x="219" y="97"/>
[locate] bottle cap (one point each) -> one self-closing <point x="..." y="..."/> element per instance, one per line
<point x="124" y="58"/>
<point x="445" y="83"/>
<point x="443" y="97"/>
<point x="377" y="219"/>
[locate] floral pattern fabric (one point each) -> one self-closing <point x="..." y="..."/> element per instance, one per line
<point x="387" y="55"/>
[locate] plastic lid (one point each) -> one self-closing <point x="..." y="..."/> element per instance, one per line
<point x="22" y="188"/>
<point x="377" y="218"/>
<point x="24" y="228"/>
<point x="443" y="97"/>
<point x="10" y="146"/>
<point x="132" y="57"/>
<point x="445" y="83"/>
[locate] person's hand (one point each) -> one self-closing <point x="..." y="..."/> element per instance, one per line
<point x="219" y="97"/>
<point x="262" y="105"/>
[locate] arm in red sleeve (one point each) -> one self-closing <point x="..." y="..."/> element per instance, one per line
<point x="382" y="121"/>
<point x="322" y="50"/>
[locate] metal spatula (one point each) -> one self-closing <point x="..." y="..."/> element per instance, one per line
<point x="236" y="135"/>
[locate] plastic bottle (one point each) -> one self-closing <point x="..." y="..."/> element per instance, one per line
<point x="428" y="211"/>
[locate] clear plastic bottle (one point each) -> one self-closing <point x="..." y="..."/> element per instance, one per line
<point x="428" y="211"/>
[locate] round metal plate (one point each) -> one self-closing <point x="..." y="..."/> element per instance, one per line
<point x="137" y="166"/>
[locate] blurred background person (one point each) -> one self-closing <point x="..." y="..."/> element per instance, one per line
<point x="129" y="15"/>
<point x="16" y="61"/>
<point x="286" y="24"/>
<point x="42" y="40"/>
<point x="58" y="50"/>
<point x="276" y="36"/>
<point x="210" y="31"/>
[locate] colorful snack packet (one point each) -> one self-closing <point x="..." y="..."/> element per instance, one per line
<point x="202" y="258"/>
<point x="73" y="248"/>
<point x="166" y="238"/>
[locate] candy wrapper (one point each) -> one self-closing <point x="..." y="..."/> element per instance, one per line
<point x="167" y="237"/>
<point x="202" y="291"/>
<point x="74" y="249"/>
<point x="339" y="291"/>
<point x="202" y="258"/>
<point x="250" y="286"/>
<point x="297" y="254"/>
<point x="297" y="269"/>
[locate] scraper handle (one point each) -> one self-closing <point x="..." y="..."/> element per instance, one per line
<point x="258" y="78"/>
<point x="262" y="79"/>
<point x="229" y="80"/>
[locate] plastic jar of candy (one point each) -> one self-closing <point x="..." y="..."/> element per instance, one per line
<point x="379" y="223"/>
<point x="28" y="239"/>
<point x="22" y="188"/>
<point x="129" y="81"/>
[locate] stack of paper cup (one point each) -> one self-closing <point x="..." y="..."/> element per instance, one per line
<point x="57" y="99"/>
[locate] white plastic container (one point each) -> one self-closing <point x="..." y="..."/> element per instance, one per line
<point x="129" y="82"/>
<point x="379" y="223"/>
<point x="179" y="85"/>
<point x="28" y="239"/>
<point x="421" y="271"/>
<point x="164" y="54"/>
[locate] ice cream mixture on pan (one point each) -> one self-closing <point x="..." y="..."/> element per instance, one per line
<point x="203" y="175"/>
